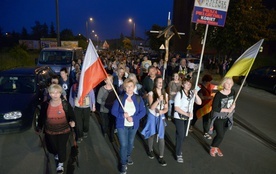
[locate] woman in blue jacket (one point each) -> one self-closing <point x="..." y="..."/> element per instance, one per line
<point x="127" y="121"/>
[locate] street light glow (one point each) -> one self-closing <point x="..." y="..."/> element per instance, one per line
<point x="87" y="27"/>
<point x="130" y="20"/>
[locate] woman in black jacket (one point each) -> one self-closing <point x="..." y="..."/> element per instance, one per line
<point x="56" y="118"/>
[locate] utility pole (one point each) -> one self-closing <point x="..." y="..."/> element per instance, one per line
<point x="168" y="34"/>
<point x="57" y="23"/>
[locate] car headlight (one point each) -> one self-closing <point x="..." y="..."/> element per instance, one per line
<point x="13" y="115"/>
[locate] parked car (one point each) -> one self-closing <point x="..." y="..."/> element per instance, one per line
<point x="263" y="78"/>
<point x="21" y="93"/>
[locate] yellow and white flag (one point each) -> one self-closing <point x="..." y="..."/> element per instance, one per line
<point x="243" y="64"/>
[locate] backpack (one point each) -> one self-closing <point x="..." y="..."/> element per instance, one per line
<point x="181" y="91"/>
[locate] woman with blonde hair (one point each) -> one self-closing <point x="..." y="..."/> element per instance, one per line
<point x="222" y="114"/>
<point x="56" y="117"/>
<point x="127" y="121"/>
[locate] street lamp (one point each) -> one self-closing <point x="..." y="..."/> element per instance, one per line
<point x="86" y="24"/>
<point x="134" y="39"/>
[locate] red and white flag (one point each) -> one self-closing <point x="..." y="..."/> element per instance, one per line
<point x="92" y="72"/>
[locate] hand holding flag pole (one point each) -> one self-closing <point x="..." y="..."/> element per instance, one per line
<point x="197" y="78"/>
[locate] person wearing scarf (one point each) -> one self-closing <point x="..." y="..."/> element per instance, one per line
<point x="158" y="107"/>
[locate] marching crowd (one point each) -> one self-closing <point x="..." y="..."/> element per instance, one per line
<point x="136" y="95"/>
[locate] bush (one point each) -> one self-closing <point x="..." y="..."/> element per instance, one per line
<point x="17" y="57"/>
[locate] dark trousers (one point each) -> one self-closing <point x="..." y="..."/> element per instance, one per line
<point x="205" y="122"/>
<point x="82" y="120"/>
<point x="220" y="125"/>
<point x="108" y="123"/>
<point x="105" y="117"/>
<point x="56" y="144"/>
<point x="181" y="128"/>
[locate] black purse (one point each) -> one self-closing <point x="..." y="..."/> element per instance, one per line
<point x="183" y="117"/>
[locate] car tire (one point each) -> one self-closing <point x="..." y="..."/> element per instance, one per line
<point x="35" y="118"/>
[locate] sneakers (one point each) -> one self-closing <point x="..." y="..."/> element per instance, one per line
<point x="220" y="154"/>
<point x="150" y="155"/>
<point x="169" y="118"/>
<point x="129" y="161"/>
<point x="213" y="151"/>
<point x="191" y="129"/>
<point x="85" y="134"/>
<point x="207" y="136"/>
<point x="60" y="168"/>
<point x="179" y="159"/>
<point x="162" y="162"/>
<point x="123" y="169"/>
<point x="79" y="140"/>
<point x="56" y="157"/>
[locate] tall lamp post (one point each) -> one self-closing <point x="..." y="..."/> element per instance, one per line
<point x="97" y="43"/>
<point x="134" y="38"/>
<point x="86" y="25"/>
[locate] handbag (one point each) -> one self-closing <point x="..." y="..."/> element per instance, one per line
<point x="183" y="117"/>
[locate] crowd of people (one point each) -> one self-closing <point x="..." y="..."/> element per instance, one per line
<point x="136" y="97"/>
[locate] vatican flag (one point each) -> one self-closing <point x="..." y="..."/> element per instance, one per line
<point x="243" y="64"/>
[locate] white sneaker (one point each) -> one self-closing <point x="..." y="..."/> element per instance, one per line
<point x="179" y="159"/>
<point x="207" y="136"/>
<point x="60" y="169"/>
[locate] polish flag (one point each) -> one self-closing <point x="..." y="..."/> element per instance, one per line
<point x="92" y="72"/>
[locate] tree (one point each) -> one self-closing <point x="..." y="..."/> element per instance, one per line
<point x="127" y="44"/>
<point x="66" y="34"/>
<point x="52" y="33"/>
<point x="120" y="45"/>
<point x="246" y="23"/>
<point x="24" y="34"/>
<point x="44" y="31"/>
<point x="82" y="41"/>
<point x="36" y="31"/>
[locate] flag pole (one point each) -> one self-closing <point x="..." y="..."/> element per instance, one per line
<point x="197" y="77"/>
<point x="120" y="102"/>
<point x="113" y="88"/>
<point x="111" y="84"/>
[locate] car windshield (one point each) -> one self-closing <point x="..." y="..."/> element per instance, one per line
<point x="17" y="84"/>
<point x="55" y="57"/>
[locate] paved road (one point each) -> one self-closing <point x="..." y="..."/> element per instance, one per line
<point x="244" y="152"/>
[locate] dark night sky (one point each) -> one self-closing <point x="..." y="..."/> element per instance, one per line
<point x="110" y="16"/>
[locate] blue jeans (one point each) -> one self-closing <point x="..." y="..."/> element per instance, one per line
<point x="126" y="137"/>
